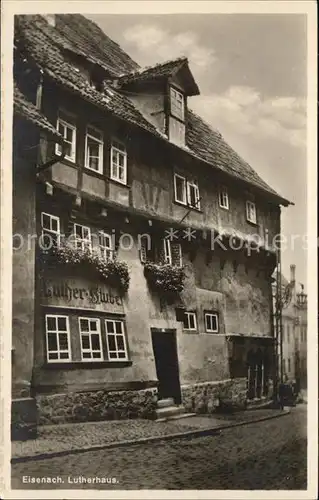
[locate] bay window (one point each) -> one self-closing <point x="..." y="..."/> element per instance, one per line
<point x="68" y="132"/>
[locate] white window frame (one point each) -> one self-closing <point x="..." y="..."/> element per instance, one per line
<point x="88" y="333"/>
<point x="184" y="200"/>
<point x="177" y="104"/>
<point x="100" y="143"/>
<point x="194" y="316"/>
<point x="58" y="147"/>
<point x="51" y="231"/>
<point x="57" y="332"/>
<point x="167" y="251"/>
<point x="251" y="213"/>
<point x="210" y="315"/>
<point x="86" y="242"/>
<point x="194" y="185"/>
<point x="176" y="131"/>
<point x="119" y="151"/>
<point x="223" y="198"/>
<point x="106" y="251"/>
<point x="115" y="335"/>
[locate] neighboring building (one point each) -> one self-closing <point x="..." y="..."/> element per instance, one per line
<point x="294" y="319"/>
<point x="294" y="332"/>
<point x="124" y="315"/>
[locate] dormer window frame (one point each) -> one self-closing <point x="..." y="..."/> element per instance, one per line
<point x="174" y="93"/>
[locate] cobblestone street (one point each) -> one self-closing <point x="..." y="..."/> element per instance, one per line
<point x="263" y="455"/>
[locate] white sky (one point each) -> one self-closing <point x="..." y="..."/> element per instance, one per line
<point x="251" y="70"/>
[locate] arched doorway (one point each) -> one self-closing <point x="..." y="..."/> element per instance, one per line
<point x="257" y="374"/>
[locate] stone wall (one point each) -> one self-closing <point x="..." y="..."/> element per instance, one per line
<point x="23" y="419"/>
<point x="97" y="405"/>
<point x="210" y="397"/>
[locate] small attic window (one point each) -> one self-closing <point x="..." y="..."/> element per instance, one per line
<point x="177" y="104"/>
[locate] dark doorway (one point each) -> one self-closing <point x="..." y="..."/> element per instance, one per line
<point x="166" y="362"/>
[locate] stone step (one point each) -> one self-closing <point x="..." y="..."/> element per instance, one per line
<point x="165" y="403"/>
<point x="170" y="411"/>
<point x="176" y="417"/>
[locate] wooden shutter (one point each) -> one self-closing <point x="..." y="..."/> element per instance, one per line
<point x="176" y="250"/>
<point x="143" y="251"/>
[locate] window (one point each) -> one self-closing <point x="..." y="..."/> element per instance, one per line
<point x="193" y="194"/>
<point x="116" y="342"/>
<point x="50" y="229"/>
<point x="211" y="322"/>
<point x="167" y="251"/>
<point x="57" y="338"/>
<point x="118" y="162"/>
<point x="177" y="104"/>
<point x="176" y="131"/>
<point x="172" y="253"/>
<point x="68" y="133"/>
<point x="223" y="198"/>
<point x="94" y="150"/>
<point x="190" y="321"/>
<point x="251" y="212"/>
<point x="82" y="236"/>
<point x="90" y="335"/>
<point x="186" y="191"/>
<point x="106" y="246"/>
<point x="289" y="365"/>
<point x="180" y="189"/>
<point x="145" y="248"/>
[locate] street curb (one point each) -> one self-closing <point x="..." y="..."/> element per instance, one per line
<point x="151" y="439"/>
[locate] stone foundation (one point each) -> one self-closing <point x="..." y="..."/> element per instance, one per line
<point x="97" y="405"/>
<point x="23" y="419"/>
<point x="211" y="397"/>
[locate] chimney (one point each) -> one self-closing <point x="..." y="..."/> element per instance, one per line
<point x="292" y="274"/>
<point x="50" y="19"/>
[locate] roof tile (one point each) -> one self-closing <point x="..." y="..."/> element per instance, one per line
<point x="46" y="45"/>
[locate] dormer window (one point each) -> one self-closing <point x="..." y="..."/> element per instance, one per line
<point x="176" y="121"/>
<point x="177" y="104"/>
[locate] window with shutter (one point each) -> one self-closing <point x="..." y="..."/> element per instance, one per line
<point x="167" y="251"/>
<point x="176" y="253"/>
<point x="145" y="248"/>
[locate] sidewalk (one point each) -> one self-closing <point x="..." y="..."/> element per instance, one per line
<point x="57" y="440"/>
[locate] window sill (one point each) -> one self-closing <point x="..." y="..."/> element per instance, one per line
<point x="224" y="208"/>
<point x="252" y="223"/>
<point x="76" y="365"/>
<point x="94" y="173"/>
<point x="118" y="183"/>
<point x="66" y="161"/>
<point x="188" y="207"/>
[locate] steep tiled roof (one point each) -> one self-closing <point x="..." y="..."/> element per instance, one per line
<point x="46" y="46"/>
<point x="160" y="71"/>
<point x="27" y="110"/>
<point x="48" y="56"/>
<point x="209" y="144"/>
